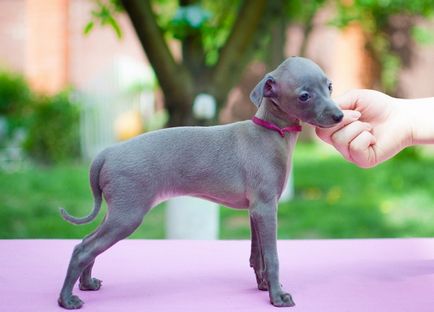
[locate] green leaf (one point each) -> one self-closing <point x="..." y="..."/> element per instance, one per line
<point x="105" y="13"/>
<point x="193" y="16"/>
<point x="422" y="35"/>
<point x="115" y="25"/>
<point x="390" y="69"/>
<point x="116" y="5"/>
<point x="89" y="26"/>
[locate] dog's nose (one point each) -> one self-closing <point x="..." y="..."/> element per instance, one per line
<point x="338" y="116"/>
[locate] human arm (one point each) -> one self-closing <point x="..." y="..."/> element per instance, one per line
<point x="421" y="115"/>
<point x="384" y="127"/>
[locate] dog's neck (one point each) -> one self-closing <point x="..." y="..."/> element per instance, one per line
<point x="270" y="112"/>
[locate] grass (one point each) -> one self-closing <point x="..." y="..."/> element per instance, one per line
<point x="30" y="201"/>
<point x="336" y="199"/>
<point x="333" y="199"/>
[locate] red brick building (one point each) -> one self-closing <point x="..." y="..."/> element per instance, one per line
<point x="44" y="40"/>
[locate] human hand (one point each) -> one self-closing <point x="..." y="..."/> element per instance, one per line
<point x="375" y="128"/>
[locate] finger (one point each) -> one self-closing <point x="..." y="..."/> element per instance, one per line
<point x="362" y="150"/>
<point x="326" y="133"/>
<point x="341" y="139"/>
<point x="348" y="100"/>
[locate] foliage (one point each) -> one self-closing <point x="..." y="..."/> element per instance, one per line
<point x="375" y="14"/>
<point x="15" y="99"/>
<point x="189" y="17"/>
<point x="303" y="10"/>
<point x="50" y="123"/>
<point x="219" y="38"/>
<point x="104" y="13"/>
<point x="375" y="19"/>
<point x="212" y="20"/>
<point x="31" y="199"/>
<point x="333" y="199"/>
<point x="422" y="35"/>
<point x="53" y="134"/>
<point x="336" y="199"/>
<point x="216" y="31"/>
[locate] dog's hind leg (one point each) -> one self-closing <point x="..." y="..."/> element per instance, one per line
<point x="122" y="220"/>
<point x="86" y="280"/>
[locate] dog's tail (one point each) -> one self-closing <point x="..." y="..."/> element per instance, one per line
<point x="96" y="190"/>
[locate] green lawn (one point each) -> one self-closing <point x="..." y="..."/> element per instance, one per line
<point x="333" y="199"/>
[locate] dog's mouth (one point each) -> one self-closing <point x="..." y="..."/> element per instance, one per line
<point x="327" y="126"/>
<point x="322" y="125"/>
<point x="326" y="120"/>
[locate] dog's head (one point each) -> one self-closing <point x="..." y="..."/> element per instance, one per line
<point x="299" y="89"/>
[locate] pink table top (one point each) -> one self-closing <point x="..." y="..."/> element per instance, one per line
<point x="158" y="275"/>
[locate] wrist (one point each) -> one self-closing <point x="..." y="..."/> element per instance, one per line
<point x="400" y="122"/>
<point x="417" y="114"/>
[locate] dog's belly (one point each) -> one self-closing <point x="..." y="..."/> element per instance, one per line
<point x="231" y="200"/>
<point x="220" y="185"/>
<point x="239" y="202"/>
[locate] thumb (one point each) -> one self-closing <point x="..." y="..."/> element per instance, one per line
<point x="325" y="134"/>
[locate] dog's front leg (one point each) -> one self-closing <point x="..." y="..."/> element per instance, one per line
<point x="264" y="219"/>
<point x="256" y="258"/>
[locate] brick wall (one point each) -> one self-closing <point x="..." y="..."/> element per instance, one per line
<point x="92" y="55"/>
<point x="46" y="44"/>
<point x="44" y="40"/>
<point x="13" y="33"/>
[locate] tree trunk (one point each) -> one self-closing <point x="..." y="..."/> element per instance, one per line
<point x="252" y="26"/>
<point x="276" y="43"/>
<point x="181" y="82"/>
<point x="178" y="116"/>
<point x="174" y="78"/>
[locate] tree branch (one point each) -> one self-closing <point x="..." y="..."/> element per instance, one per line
<point x="307" y="27"/>
<point x="275" y="48"/>
<point x="174" y="79"/>
<point x="237" y="51"/>
<point x="193" y="54"/>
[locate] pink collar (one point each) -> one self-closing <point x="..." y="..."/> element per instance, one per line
<point x="273" y="127"/>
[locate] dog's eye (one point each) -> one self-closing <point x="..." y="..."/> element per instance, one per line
<point x="330" y="87"/>
<point x="304" y="97"/>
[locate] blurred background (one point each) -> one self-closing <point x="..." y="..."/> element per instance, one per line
<point x="79" y="75"/>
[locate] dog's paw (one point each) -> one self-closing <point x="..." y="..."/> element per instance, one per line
<point x="282" y="299"/>
<point x="70" y="303"/>
<point x="92" y="284"/>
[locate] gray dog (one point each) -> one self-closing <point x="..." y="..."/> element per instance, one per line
<point x="241" y="165"/>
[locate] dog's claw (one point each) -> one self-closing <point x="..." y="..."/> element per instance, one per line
<point x="93" y="284"/>
<point x="282" y="299"/>
<point x="70" y="303"/>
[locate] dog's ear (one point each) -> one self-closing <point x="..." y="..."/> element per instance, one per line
<point x="265" y="88"/>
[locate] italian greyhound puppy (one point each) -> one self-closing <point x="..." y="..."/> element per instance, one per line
<point x="241" y="165"/>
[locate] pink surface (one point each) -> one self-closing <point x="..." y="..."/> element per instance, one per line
<point x="149" y="275"/>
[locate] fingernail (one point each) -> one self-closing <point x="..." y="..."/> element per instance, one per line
<point x="355" y="114"/>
